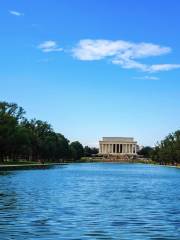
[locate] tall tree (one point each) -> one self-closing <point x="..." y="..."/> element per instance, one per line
<point x="77" y="150"/>
<point x="90" y="151"/>
<point x="168" y="150"/>
<point x="146" y="152"/>
<point x="10" y="117"/>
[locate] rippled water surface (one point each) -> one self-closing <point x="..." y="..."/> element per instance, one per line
<point x="91" y="201"/>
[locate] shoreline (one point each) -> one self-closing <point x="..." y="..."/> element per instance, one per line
<point x="142" y="161"/>
<point x="30" y="166"/>
<point x="26" y="166"/>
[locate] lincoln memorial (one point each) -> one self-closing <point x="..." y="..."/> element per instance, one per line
<point x="117" y="146"/>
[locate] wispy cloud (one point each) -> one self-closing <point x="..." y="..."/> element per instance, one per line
<point x="163" y="67"/>
<point x="147" y="78"/>
<point x="15" y="13"/>
<point x="123" y="53"/>
<point x="49" y="46"/>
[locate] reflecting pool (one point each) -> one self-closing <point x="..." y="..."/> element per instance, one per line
<point x="91" y="201"/>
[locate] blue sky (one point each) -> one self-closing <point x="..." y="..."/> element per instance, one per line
<point x="94" y="68"/>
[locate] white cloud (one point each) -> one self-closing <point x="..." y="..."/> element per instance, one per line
<point x="98" y="49"/>
<point x="130" y="64"/>
<point x="49" y="46"/>
<point x="123" y="53"/>
<point x="163" y="67"/>
<point x="147" y="78"/>
<point x="15" y="13"/>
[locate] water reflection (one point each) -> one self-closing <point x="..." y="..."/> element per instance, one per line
<point x="4" y="173"/>
<point x="91" y="201"/>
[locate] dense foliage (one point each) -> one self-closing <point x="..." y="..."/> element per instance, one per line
<point x="168" y="150"/>
<point x="146" y="152"/>
<point x="165" y="152"/>
<point x="76" y="150"/>
<point x="32" y="140"/>
<point x="88" y="152"/>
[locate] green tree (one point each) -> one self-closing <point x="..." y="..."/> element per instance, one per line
<point x="76" y="150"/>
<point x="88" y="152"/>
<point x="10" y="117"/>
<point x="33" y="139"/>
<point x="146" y="152"/>
<point x="168" y="150"/>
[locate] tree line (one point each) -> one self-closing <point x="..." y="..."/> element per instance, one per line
<point x="165" y="152"/>
<point x="34" y="140"/>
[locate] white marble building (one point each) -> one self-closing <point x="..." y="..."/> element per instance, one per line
<point x="117" y="146"/>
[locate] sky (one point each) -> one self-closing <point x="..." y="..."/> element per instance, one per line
<point x="94" y="68"/>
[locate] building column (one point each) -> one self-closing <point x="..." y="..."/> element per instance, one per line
<point x="106" y="148"/>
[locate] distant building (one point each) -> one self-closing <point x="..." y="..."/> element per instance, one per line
<point x="117" y="146"/>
